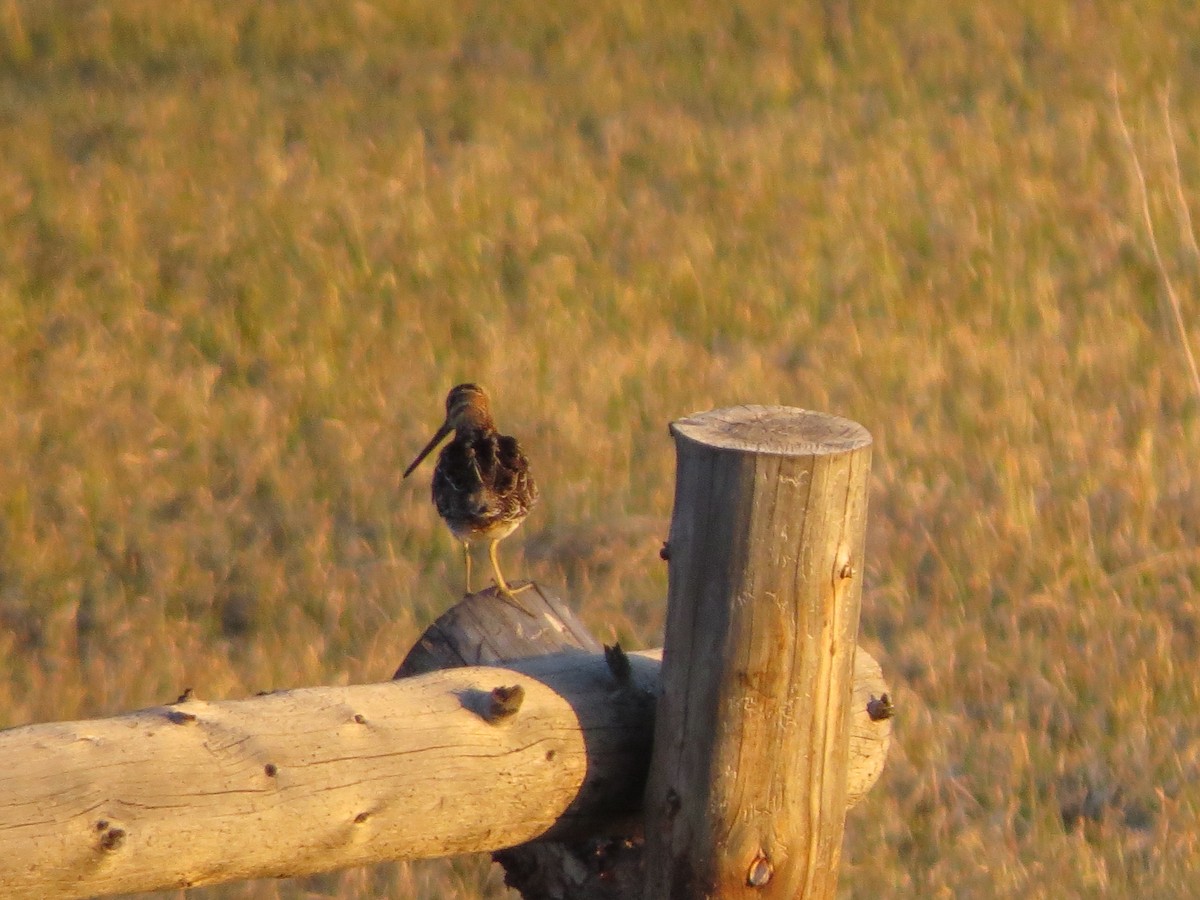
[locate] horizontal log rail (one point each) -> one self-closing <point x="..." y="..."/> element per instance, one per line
<point x="316" y="779"/>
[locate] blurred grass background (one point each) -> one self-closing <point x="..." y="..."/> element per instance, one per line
<point x="245" y="249"/>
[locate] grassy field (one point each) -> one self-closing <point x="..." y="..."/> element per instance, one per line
<point x="245" y="248"/>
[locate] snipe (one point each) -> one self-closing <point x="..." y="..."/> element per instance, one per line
<point x="481" y="484"/>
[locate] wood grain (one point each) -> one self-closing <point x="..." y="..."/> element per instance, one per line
<point x="748" y="783"/>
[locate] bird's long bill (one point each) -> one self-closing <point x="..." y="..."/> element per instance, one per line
<point x="437" y="439"/>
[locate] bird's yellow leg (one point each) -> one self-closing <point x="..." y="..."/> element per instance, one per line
<point x="505" y="591"/>
<point x="467" y="562"/>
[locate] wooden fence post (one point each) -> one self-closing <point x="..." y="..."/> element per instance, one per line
<point x="747" y="788"/>
<point x="543" y="757"/>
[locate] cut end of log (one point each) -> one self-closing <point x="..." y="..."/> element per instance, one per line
<point x="776" y="430"/>
<point x="485" y="629"/>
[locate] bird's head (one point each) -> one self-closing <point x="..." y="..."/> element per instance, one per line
<point x="467" y="408"/>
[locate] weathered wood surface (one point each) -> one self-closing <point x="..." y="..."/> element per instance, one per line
<point x="315" y="779"/>
<point x="748" y="783"/>
<point x="318" y="779"/>
<point x="483" y="629"/>
<point x="607" y="863"/>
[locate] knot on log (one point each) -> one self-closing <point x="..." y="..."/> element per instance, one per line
<point x="760" y="872"/>
<point x="618" y="664"/>
<point x="504" y="702"/>
<point x="111" y="837"/>
<point x="880" y="708"/>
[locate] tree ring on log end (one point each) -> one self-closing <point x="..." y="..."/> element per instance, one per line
<point x="778" y="430"/>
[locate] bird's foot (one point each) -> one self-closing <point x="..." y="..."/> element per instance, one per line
<point x="509" y="596"/>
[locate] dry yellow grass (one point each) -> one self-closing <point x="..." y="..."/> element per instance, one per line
<point x="245" y="249"/>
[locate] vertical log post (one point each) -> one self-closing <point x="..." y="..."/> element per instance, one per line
<point x="747" y="789"/>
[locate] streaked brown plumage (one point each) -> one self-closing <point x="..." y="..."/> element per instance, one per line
<point x="481" y="484"/>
